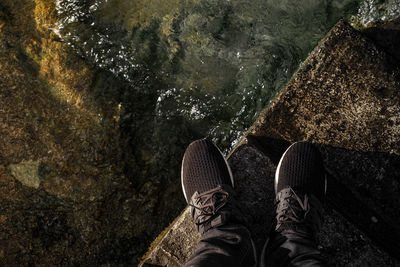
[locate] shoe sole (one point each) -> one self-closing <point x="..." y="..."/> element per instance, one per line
<point x="279" y="167"/>
<point x="226" y="163"/>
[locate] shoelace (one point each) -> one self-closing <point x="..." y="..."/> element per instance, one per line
<point x="209" y="203"/>
<point x="291" y="208"/>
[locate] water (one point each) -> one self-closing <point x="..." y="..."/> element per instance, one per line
<point x="189" y="69"/>
<point x="377" y="11"/>
<point x="219" y="62"/>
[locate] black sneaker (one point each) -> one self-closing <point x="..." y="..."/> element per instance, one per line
<point x="300" y="188"/>
<point x="207" y="185"/>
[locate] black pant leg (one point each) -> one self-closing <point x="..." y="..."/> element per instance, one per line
<point x="228" y="245"/>
<point x="290" y="248"/>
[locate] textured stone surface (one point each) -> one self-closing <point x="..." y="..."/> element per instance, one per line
<point x="27" y="172"/>
<point x="345" y="94"/>
<point x="184" y="242"/>
<point x="344" y="98"/>
<point x="85" y="210"/>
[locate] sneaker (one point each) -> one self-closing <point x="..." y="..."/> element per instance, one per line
<point x="207" y="184"/>
<point x="300" y="188"/>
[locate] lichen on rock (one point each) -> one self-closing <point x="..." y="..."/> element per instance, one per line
<point x="27" y="172"/>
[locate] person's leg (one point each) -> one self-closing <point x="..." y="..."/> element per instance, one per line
<point x="207" y="184"/>
<point x="300" y="187"/>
